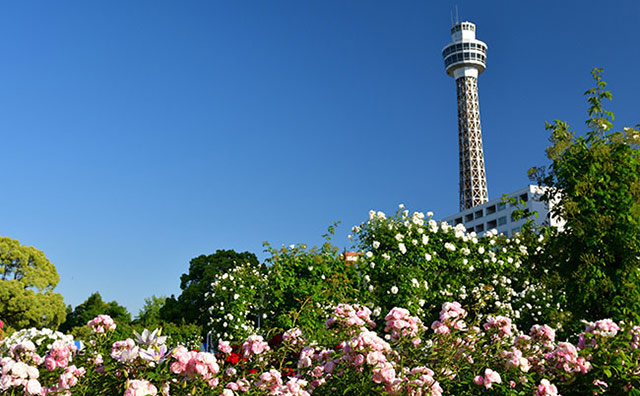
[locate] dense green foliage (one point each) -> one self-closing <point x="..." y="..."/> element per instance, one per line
<point x="27" y="280"/>
<point x="596" y="179"/>
<point x="403" y="260"/>
<point x="304" y="284"/>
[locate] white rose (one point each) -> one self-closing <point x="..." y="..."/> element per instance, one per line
<point x="33" y="372"/>
<point x="33" y="387"/>
<point x="402" y="248"/>
<point x="19" y="370"/>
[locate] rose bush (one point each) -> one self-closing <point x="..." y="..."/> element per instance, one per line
<point x="458" y="354"/>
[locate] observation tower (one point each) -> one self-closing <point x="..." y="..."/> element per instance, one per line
<point x="464" y="59"/>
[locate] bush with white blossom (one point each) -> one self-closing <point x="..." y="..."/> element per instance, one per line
<point x="411" y="260"/>
<point x="235" y="302"/>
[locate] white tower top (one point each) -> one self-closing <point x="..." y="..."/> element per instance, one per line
<point x="464" y="56"/>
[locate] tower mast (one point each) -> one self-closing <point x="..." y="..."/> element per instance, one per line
<point x="464" y="59"/>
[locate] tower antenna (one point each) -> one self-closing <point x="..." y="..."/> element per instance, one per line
<point x="451" y="14"/>
<point x="457" y="19"/>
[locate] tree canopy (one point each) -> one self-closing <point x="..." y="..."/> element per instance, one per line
<point x="27" y="280"/>
<point x="596" y="178"/>
<point x="92" y="307"/>
<point x="149" y="315"/>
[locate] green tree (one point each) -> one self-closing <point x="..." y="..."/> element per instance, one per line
<point x="149" y="315"/>
<point x="93" y="306"/>
<point x="27" y="280"/>
<point x="191" y="305"/>
<point x="596" y="179"/>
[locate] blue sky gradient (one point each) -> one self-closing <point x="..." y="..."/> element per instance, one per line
<point x="137" y="135"/>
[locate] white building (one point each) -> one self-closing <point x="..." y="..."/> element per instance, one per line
<point x="497" y="215"/>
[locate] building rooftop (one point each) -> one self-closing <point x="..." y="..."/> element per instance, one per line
<point x="497" y="214"/>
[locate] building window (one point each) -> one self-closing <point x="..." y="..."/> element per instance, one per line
<point x="468" y="217"/>
<point x="492" y="224"/>
<point x="501" y="206"/>
<point x="491" y="209"/>
<point x="515" y="230"/>
<point x="480" y="228"/>
<point x="502" y="220"/>
<point x="524" y="197"/>
<point x="478" y="214"/>
<point x="458" y="221"/>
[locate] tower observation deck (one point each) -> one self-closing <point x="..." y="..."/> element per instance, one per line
<point x="464" y="59"/>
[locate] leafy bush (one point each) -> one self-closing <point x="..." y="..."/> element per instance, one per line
<point x="596" y="176"/>
<point x="304" y="285"/>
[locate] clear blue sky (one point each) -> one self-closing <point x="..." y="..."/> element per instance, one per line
<point x="137" y="135"/>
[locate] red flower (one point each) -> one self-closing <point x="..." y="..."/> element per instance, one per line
<point x="288" y="372"/>
<point x="252" y="371"/>
<point x="275" y="340"/>
<point x="233" y="358"/>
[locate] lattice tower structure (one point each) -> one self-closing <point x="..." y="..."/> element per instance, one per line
<point x="465" y="59"/>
